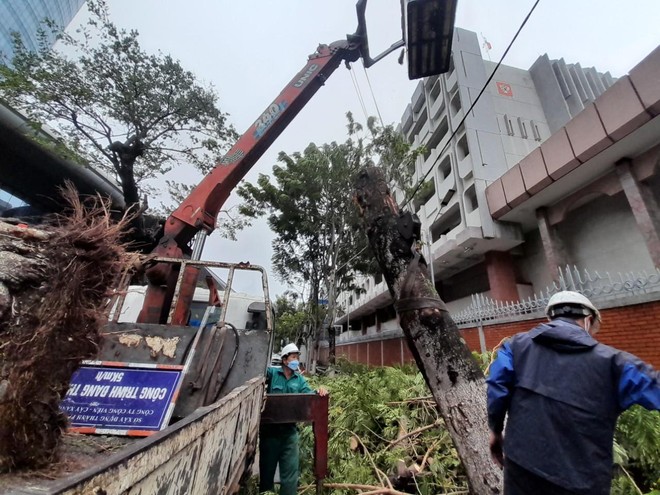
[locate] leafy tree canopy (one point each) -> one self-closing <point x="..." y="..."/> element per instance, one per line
<point x="309" y="205"/>
<point x="135" y="115"/>
<point x="290" y="318"/>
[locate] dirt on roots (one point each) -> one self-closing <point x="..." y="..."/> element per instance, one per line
<point x="54" y="288"/>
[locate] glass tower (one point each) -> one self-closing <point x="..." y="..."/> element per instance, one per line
<point x="26" y="17"/>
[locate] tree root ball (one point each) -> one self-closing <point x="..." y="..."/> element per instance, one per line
<point x="54" y="286"/>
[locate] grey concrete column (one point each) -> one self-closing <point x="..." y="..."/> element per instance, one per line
<point x="644" y="207"/>
<point x="553" y="247"/>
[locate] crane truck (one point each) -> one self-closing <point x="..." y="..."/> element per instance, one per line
<point x="190" y="397"/>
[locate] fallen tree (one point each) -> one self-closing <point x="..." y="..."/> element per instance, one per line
<point x="452" y="375"/>
<point x="54" y="283"/>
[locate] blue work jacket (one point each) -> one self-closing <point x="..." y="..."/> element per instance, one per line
<point x="563" y="392"/>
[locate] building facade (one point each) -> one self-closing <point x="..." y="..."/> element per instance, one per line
<point x="27" y="17"/>
<point x="554" y="166"/>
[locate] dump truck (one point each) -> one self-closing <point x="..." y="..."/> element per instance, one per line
<point x="186" y="399"/>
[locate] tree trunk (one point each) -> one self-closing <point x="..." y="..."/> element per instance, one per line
<point x="453" y="376"/>
<point x="332" y="312"/>
<point x="125" y="155"/>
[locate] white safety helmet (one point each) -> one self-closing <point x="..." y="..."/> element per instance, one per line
<point x="570" y="303"/>
<point x="289" y="349"/>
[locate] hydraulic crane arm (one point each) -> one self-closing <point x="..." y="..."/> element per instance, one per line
<point x="199" y="211"/>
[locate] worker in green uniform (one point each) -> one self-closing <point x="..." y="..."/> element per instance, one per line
<point x="278" y="443"/>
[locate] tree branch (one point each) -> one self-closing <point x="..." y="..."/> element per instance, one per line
<point x="435" y="424"/>
<point x="373" y="490"/>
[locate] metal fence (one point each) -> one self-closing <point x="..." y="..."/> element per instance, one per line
<point x="594" y="285"/>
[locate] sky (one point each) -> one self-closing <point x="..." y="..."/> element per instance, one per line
<point x="250" y="49"/>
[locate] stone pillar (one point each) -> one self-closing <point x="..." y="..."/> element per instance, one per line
<point x="553" y="247"/>
<point x="644" y="208"/>
<point x="501" y="276"/>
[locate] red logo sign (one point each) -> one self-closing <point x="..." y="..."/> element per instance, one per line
<point x="504" y="89"/>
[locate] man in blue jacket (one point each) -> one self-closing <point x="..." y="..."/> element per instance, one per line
<point x="562" y="393"/>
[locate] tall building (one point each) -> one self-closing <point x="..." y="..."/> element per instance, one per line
<point x="26" y="17"/>
<point x="529" y="181"/>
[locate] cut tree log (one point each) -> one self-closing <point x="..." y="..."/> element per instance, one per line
<point x="453" y="376"/>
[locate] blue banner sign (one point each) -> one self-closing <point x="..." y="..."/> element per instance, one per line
<point x="122" y="399"/>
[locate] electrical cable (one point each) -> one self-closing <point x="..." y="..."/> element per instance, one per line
<point x="373" y="96"/>
<point x="483" y="89"/>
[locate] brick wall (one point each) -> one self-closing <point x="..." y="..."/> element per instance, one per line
<point x="635" y="329"/>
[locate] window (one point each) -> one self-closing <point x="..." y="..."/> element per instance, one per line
<point x="425" y="192"/>
<point x="446" y="223"/>
<point x="437" y="137"/>
<point x="471" y="199"/>
<point x="455" y="103"/>
<point x="535" y="130"/>
<point x="523" y="128"/>
<point x="435" y="91"/>
<point x="509" y="125"/>
<point x="462" y="148"/>
<point x="444" y="168"/>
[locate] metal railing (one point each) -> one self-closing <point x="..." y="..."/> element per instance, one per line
<point x="594" y="285"/>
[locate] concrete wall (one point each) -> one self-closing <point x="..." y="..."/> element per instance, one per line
<point x="532" y="265"/>
<point x="521" y="121"/>
<point x="554" y="103"/>
<point x="566" y="89"/>
<point x="603" y="236"/>
<point x="631" y="328"/>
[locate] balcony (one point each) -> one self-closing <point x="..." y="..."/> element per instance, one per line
<point x="418" y="99"/>
<point x="430" y="209"/>
<point x="425" y="132"/>
<point x="452" y="81"/>
<point x="465" y="168"/>
<point x="421" y="120"/>
<point x="407" y="119"/>
<point x="448" y="237"/>
<point x="430" y="81"/>
<point x="464" y="159"/>
<point x="447" y="222"/>
<point x="446" y="189"/>
<point x="473" y="219"/>
<point x="437" y="108"/>
<point x="430" y="160"/>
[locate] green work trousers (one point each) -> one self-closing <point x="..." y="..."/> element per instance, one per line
<point x="279" y="446"/>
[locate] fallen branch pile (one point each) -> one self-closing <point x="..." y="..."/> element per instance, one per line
<point x="386" y="437"/>
<point x="54" y="283"/>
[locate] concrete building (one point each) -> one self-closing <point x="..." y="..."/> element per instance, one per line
<point x="554" y="166"/>
<point x="26" y="17"/>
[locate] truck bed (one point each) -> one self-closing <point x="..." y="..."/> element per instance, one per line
<point x="204" y="453"/>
